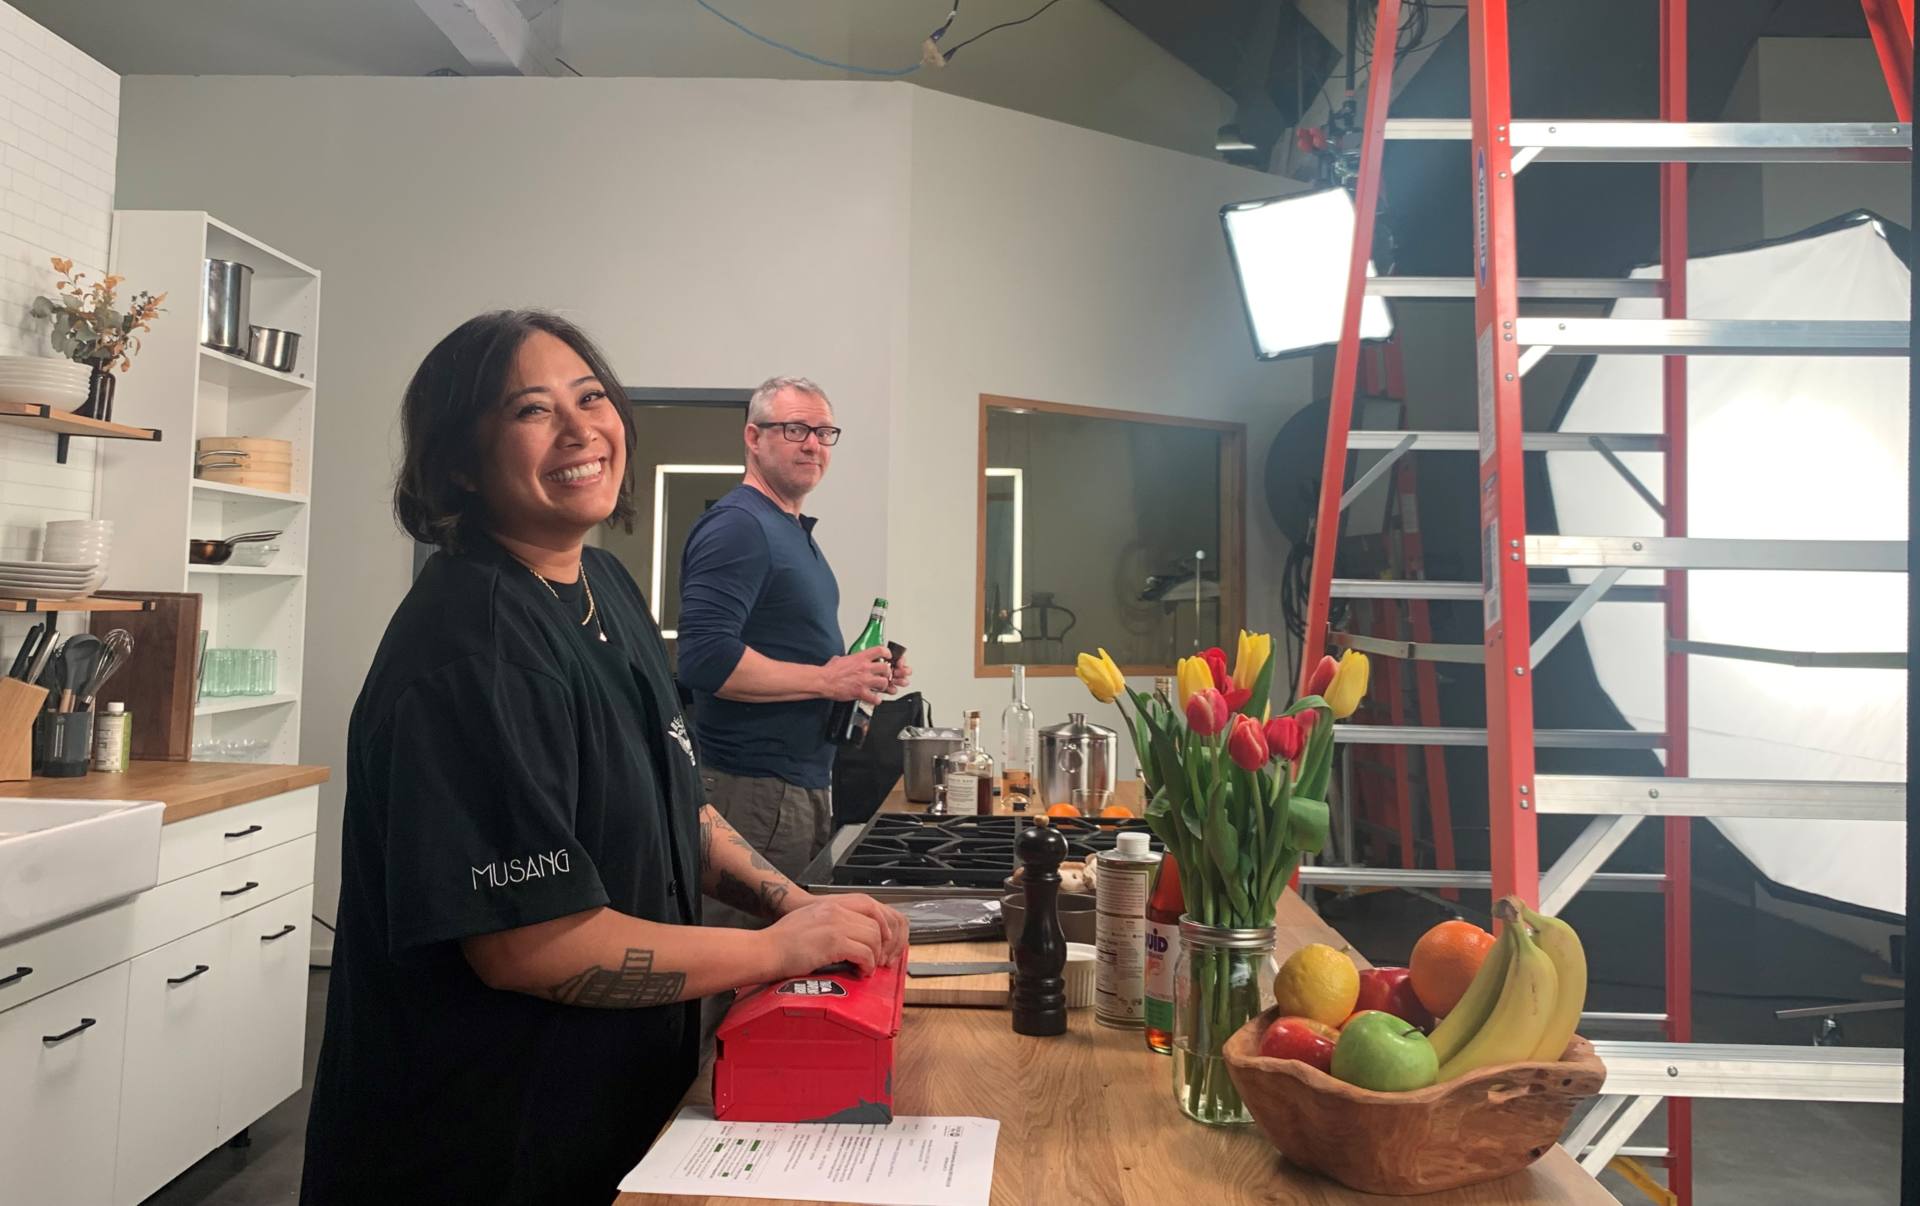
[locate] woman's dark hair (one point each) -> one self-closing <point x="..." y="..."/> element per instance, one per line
<point x="462" y="378"/>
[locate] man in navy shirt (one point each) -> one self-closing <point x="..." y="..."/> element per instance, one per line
<point x="760" y="643"/>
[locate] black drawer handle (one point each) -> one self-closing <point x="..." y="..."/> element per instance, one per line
<point x="199" y="969"/>
<point x="284" y="931"/>
<point x="244" y="832"/>
<point x="51" y="1039"/>
<point x="19" y="974"/>
<point x="245" y="888"/>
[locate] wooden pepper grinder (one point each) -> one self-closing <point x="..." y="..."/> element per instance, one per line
<point x="1040" y="957"/>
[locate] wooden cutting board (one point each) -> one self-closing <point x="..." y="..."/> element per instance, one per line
<point x="977" y="992"/>
<point x="157" y="682"/>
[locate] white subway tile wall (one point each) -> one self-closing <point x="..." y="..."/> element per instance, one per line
<point x="59" y="126"/>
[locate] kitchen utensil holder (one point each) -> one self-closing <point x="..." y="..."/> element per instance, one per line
<point x="62" y="744"/>
<point x="20" y="705"/>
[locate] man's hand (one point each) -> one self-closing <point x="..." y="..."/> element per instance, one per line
<point x="901" y="676"/>
<point x="864" y="676"/>
<point x="835" y="929"/>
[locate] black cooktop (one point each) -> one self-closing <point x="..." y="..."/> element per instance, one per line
<point x="962" y="851"/>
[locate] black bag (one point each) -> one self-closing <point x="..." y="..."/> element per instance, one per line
<point x="864" y="774"/>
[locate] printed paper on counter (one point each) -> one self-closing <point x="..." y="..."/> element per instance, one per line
<point x="908" y="1162"/>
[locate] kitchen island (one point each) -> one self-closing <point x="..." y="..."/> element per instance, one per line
<point x="1090" y="1117"/>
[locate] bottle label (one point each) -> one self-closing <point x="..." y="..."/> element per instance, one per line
<point x="963" y="792"/>
<point x="1163" y="952"/>
<point x="1120" y="928"/>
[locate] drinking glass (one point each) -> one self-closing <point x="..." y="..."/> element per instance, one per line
<point x="1090" y="801"/>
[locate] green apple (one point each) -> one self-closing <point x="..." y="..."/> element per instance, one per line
<point x="1382" y="1052"/>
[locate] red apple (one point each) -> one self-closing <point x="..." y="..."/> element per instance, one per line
<point x="1303" y="1039"/>
<point x="1390" y="990"/>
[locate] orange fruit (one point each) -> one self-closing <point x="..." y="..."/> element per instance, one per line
<point x="1116" y="810"/>
<point x="1317" y="982"/>
<point x="1063" y="810"/>
<point x="1445" y="961"/>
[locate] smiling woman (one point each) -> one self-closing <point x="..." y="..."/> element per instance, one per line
<point x="526" y="844"/>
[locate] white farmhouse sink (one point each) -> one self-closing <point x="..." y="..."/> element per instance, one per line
<point x="59" y="858"/>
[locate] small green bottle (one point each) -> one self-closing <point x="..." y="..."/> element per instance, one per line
<point x="848" y="719"/>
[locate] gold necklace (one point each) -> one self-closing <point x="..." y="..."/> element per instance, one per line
<point x="592" y="607"/>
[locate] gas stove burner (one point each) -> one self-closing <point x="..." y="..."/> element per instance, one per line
<point x="967" y="851"/>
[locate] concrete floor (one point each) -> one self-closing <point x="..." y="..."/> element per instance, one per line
<point x="1747" y="1153"/>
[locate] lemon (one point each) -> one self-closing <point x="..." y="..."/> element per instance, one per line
<point x="1317" y="982"/>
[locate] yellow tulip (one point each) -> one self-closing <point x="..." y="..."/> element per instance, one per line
<point x="1250" y="657"/>
<point x="1102" y="677"/>
<point x="1349" y="684"/>
<point x="1191" y="675"/>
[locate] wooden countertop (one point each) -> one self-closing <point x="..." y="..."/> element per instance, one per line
<point x="188" y="789"/>
<point x="1090" y="1117"/>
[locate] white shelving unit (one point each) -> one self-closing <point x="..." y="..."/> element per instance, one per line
<point x="149" y="491"/>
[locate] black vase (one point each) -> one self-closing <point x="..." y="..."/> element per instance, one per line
<point x="99" y="403"/>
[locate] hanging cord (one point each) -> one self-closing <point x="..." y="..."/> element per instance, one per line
<point x="948" y="57"/>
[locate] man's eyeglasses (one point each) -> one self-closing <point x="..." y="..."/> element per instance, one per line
<point x="797" y="433"/>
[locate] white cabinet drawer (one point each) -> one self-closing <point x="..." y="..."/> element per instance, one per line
<point x="220" y="837"/>
<point x="263" y="1041"/>
<point x="177" y="1008"/>
<point x="182" y="906"/>
<point x="55" y="958"/>
<point x="60" y="1093"/>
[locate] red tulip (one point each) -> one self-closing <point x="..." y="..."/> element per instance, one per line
<point x="1307" y="720"/>
<point x="1247" y="745"/>
<point x="1207" y="711"/>
<point x="1216" y="660"/>
<point x="1322" y="676"/>
<point x="1285" y="737"/>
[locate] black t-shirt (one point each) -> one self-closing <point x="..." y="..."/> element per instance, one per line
<point x="504" y="767"/>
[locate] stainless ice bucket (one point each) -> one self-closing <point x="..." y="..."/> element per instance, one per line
<point x="921" y="747"/>
<point x="223" y="323"/>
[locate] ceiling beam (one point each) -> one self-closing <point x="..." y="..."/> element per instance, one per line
<point x="494" y="37"/>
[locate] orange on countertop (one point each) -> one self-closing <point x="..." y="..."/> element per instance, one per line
<point x="1063" y="810"/>
<point x="1445" y="961"/>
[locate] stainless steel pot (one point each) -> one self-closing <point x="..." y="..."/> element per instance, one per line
<point x="273" y="348"/>
<point x="921" y="747"/>
<point x="229" y="296"/>
<point x="1075" y="755"/>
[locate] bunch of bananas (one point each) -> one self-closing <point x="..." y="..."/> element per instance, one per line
<point x="1524" y="1002"/>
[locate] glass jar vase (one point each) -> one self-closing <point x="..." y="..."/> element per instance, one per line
<point x="1218" y="985"/>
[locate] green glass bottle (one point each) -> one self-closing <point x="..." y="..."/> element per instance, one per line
<point x="848" y="719"/>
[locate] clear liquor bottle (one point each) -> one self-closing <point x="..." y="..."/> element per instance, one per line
<point x="1018" y="739"/>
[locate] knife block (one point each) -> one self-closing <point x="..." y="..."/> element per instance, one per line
<point x="20" y="704"/>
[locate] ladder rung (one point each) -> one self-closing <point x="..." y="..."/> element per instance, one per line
<point x="1780" y="799"/>
<point x="1562" y="141"/>
<point x="1600" y="1017"/>
<point x="1414" y="651"/>
<point x="1645" y="1153"/>
<point x="1443" y="592"/>
<point x="1715" y="553"/>
<point x="1759" y="1072"/>
<point x="1533" y="441"/>
<point x="1555" y="288"/>
<point x="1712" y="336"/>
<point x="1546" y="739"/>
<point x="1422" y="877"/>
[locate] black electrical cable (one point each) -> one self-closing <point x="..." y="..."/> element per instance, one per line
<point x="1003" y="25"/>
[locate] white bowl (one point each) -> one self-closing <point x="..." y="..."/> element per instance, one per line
<point x="79" y="525"/>
<point x="60" y="397"/>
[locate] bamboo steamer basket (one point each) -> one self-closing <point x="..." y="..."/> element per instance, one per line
<point x="1474" y="1128"/>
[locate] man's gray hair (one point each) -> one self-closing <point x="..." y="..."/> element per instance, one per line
<point x="760" y="406"/>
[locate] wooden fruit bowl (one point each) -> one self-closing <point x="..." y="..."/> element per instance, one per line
<point x="1474" y="1128"/>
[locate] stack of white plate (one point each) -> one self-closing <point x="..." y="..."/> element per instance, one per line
<point x="78" y="542"/>
<point x="61" y="384"/>
<point x="49" y="579"/>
